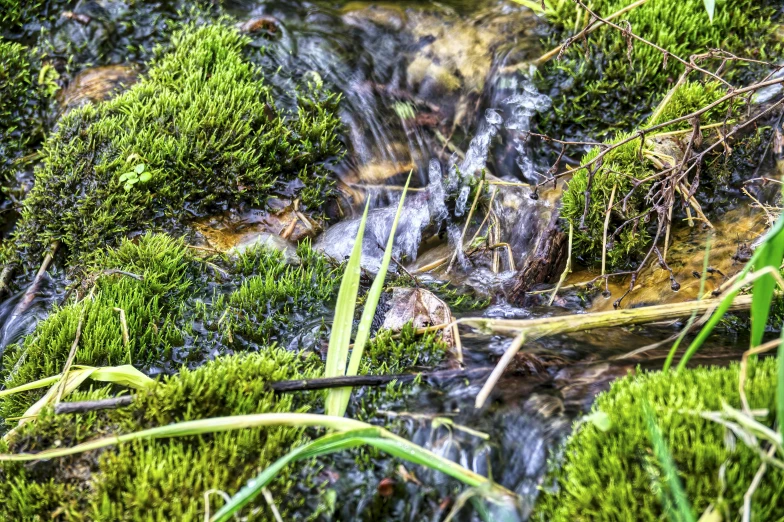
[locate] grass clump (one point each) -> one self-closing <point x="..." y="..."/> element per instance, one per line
<point x="615" y="475"/>
<point x="201" y="132"/>
<point x="596" y="88"/>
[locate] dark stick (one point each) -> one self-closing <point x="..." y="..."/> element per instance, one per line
<point x="88" y="406"/>
<point x="371" y="380"/>
<point x="291" y="386"/>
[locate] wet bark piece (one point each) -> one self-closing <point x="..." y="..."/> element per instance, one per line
<point x="545" y="264"/>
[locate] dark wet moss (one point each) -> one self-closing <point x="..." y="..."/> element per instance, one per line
<point x="152" y="307"/>
<point x="167" y="479"/>
<point x="614" y="475"/>
<point x="199" y="133"/>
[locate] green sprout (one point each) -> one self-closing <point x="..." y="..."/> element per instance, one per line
<point x="137" y="175"/>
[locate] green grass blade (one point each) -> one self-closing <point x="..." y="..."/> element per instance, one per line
<point x="677" y="343"/>
<point x="340" y="337"/>
<point x="197" y="427"/>
<point x="771" y="254"/>
<point x="322" y="446"/>
<point x="125" y="375"/>
<point x="684" y="511"/>
<point x="341" y="396"/>
<point x="725" y="303"/>
<point x="371" y="436"/>
<point x="780" y="387"/>
<point x="710" y="6"/>
<point x="41" y="383"/>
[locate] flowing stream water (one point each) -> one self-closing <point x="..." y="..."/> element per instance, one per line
<point x="427" y="89"/>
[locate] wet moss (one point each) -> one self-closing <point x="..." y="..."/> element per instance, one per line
<point x="25" y="85"/>
<point x="621" y="166"/>
<point x="614" y="475"/>
<point x="163" y="480"/>
<point x="199" y="133"/>
<point x="167" y="479"/>
<point x="272" y="297"/>
<point x="598" y="91"/>
<point x="152" y="308"/>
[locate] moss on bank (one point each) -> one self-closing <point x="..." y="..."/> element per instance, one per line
<point x="614" y="475"/>
<point x="597" y="90"/>
<point x="622" y="166"/>
<point x="200" y="133"/>
<point x="166" y="311"/>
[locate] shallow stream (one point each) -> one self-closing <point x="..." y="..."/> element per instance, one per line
<point x="442" y="90"/>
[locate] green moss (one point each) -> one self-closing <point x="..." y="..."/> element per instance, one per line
<point x="600" y="91"/>
<point x="614" y="476"/>
<point x="21" y="101"/>
<point x="205" y="128"/>
<point x="163" y="480"/>
<point x="620" y="168"/>
<point x="167" y="479"/>
<point x="272" y="296"/>
<point x="152" y="306"/>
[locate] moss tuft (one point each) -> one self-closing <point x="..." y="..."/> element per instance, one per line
<point x="151" y="305"/>
<point x="614" y="475"/>
<point x="618" y="168"/>
<point x="597" y="89"/>
<point x="621" y="167"/>
<point x="202" y="133"/>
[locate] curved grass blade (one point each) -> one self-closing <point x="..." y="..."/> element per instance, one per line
<point x="325" y="445"/>
<point x="197" y="427"/>
<point x="340" y="337"/>
<point x="726" y="302"/>
<point x="341" y="396"/>
<point x="371" y="436"/>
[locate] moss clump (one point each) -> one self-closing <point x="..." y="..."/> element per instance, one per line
<point x="272" y="297"/>
<point x="167" y="479"/>
<point x="205" y="135"/>
<point x="599" y="90"/>
<point x="152" y="307"/>
<point x="623" y="167"/>
<point x="23" y="91"/>
<point x="614" y="475"/>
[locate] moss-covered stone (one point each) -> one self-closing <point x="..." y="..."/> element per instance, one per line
<point x="199" y="133"/>
<point x="627" y="163"/>
<point x="614" y="475"/>
<point x="182" y="305"/>
<point x="167" y="479"/>
<point x="598" y="91"/>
